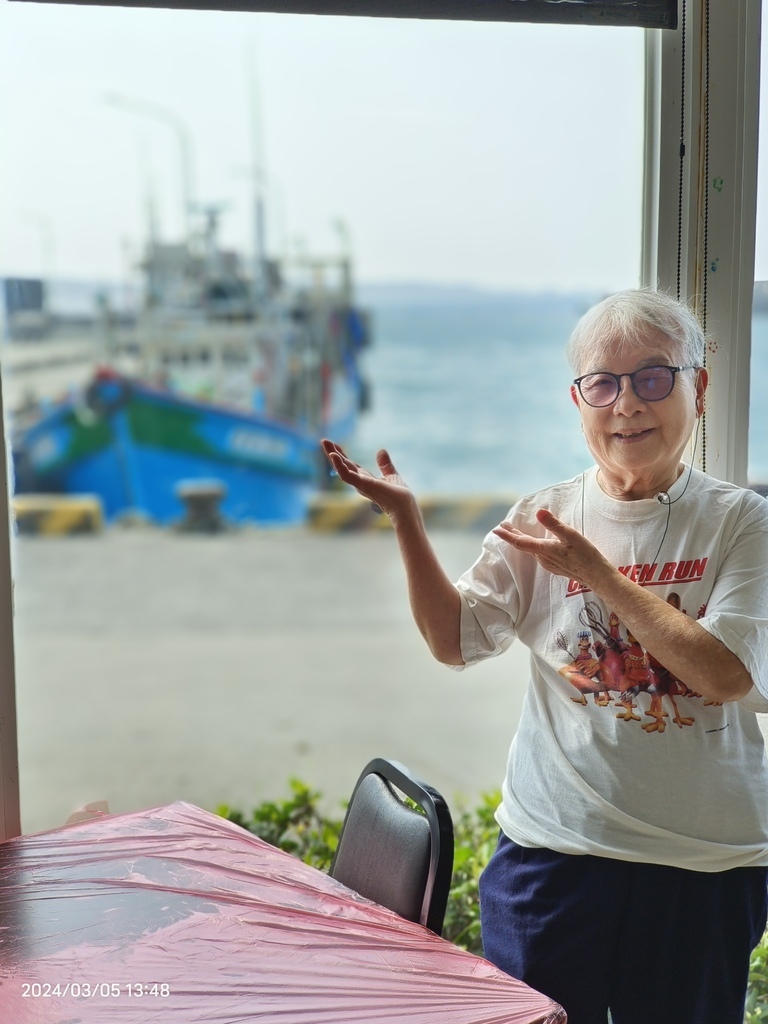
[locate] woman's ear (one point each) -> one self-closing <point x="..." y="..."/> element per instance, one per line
<point x="574" y="395"/>
<point x="702" y="379"/>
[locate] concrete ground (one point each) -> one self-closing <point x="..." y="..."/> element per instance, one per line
<point x="154" y="666"/>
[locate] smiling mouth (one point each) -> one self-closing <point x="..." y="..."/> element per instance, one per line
<point x="628" y="435"/>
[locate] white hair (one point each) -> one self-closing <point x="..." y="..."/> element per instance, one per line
<point x="624" y="320"/>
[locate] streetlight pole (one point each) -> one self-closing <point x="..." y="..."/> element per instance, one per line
<point x="183" y="137"/>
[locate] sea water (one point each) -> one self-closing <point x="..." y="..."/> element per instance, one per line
<point x="470" y="389"/>
<point x="471" y="396"/>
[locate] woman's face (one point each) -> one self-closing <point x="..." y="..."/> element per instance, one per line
<point x="637" y="443"/>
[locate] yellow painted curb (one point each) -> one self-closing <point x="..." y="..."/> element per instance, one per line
<point x="333" y="513"/>
<point x="57" y="514"/>
<point x="472" y="512"/>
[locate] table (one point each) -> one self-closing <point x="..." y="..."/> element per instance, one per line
<point x="178" y="916"/>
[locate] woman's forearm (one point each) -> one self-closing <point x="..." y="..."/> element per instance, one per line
<point x="681" y="645"/>
<point x="435" y="602"/>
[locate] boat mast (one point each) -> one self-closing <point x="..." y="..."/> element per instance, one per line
<point x="259" y="286"/>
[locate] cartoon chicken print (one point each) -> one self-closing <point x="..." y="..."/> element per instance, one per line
<point x="612" y="667"/>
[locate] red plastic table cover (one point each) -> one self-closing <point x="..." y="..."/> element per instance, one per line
<point x="176" y="916"/>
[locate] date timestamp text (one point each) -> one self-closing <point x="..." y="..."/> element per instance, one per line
<point x="94" y="990"/>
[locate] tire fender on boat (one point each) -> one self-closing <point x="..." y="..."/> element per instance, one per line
<point x="106" y="396"/>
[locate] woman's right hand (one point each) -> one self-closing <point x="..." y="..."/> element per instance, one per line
<point x="388" y="490"/>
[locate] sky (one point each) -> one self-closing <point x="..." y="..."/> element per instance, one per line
<point x="500" y="156"/>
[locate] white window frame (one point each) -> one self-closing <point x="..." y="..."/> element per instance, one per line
<point x="725" y="204"/>
<point x="734" y="70"/>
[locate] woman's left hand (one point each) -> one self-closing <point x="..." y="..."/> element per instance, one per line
<point x="568" y="553"/>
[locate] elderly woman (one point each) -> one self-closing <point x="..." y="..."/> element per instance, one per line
<point x="630" y="872"/>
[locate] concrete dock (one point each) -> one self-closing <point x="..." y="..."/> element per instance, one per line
<point x="154" y="666"/>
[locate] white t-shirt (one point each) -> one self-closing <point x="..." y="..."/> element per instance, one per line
<point x="613" y="756"/>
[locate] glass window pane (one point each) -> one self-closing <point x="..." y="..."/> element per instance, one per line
<point x="486" y="180"/>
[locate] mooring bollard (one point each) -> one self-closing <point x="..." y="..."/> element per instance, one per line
<point x="201" y="499"/>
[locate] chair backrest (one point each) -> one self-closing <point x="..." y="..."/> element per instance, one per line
<point x="391" y="853"/>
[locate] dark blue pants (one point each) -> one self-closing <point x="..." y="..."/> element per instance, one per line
<point x="656" y="945"/>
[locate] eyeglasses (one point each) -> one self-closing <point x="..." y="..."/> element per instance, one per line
<point x="650" y="383"/>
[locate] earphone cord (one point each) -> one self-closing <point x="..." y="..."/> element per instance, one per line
<point x="669" y="505"/>
<point x="669" y="501"/>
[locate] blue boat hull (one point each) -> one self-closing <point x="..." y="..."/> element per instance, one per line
<point x="135" y="446"/>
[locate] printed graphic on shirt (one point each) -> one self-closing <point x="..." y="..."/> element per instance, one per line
<point x="607" y="662"/>
<point x="687" y="570"/>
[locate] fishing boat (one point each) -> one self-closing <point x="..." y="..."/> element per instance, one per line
<point x="225" y="385"/>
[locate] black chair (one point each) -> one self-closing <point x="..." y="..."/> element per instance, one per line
<point x="393" y="854"/>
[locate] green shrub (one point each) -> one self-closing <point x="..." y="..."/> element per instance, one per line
<point x="294" y="825"/>
<point x="756" y="1010"/>
<point x="474" y="834"/>
<point x="297" y="826"/>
